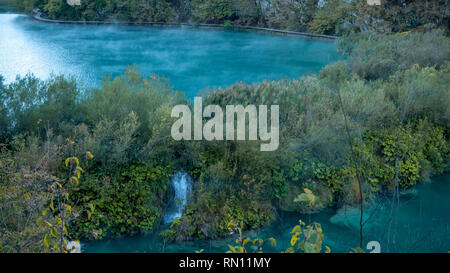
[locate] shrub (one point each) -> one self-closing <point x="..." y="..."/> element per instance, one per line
<point x="374" y="56"/>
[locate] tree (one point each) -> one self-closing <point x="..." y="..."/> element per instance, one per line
<point x="213" y="11"/>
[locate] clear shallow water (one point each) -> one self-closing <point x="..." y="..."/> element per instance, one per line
<point x="422" y="225"/>
<point x="192" y="59"/>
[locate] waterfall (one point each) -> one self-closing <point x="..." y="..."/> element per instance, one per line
<point x="181" y="183"/>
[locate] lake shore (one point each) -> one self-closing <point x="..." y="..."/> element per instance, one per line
<point x="359" y="139"/>
<point x="37" y="15"/>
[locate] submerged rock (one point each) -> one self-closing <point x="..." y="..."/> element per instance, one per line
<point x="349" y="217"/>
<point x="409" y="193"/>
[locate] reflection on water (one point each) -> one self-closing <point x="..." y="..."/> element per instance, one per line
<point x="192" y="59"/>
<point x="422" y="225"/>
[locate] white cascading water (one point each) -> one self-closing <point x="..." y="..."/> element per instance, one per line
<point x="182" y="185"/>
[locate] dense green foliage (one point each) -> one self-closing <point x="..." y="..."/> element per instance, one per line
<point x="305" y="239"/>
<point x="127" y="181"/>
<point x="332" y="17"/>
<point x="399" y="125"/>
<point x="393" y="90"/>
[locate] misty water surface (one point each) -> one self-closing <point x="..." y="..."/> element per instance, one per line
<point x="192" y="59"/>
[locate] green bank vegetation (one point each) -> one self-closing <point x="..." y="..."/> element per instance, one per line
<point x="323" y="17"/>
<point x="378" y="121"/>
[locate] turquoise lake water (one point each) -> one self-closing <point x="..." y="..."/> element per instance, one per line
<point x="192" y="59"/>
<point x="420" y="224"/>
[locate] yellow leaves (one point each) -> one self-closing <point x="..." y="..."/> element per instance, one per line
<point x="48" y="224"/>
<point x="258" y="241"/>
<point x="240" y="248"/>
<point x="77" y="161"/>
<point x="307" y="196"/>
<point x="231" y="227"/>
<point x="232" y="249"/>
<point x="357" y="250"/>
<point x="52" y="207"/>
<point x="273" y="241"/>
<point x="47" y="240"/>
<point x="89" y="156"/>
<point x="289" y="250"/>
<point x="69" y="208"/>
<point x="53" y="232"/>
<point x="296" y="229"/>
<point x="72" y="160"/>
<point x="59" y="184"/>
<point x="294" y="239"/>
<point x="301" y="246"/>
<point x="310" y="240"/>
<point x="78" y="172"/>
<point x="92" y="209"/>
<point x="404" y="33"/>
<point x="74" y="180"/>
